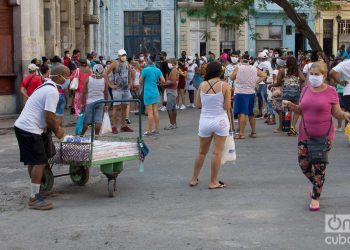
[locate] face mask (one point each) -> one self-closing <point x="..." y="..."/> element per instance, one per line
<point x="67" y="55"/>
<point x="142" y="58"/>
<point x="123" y="58"/>
<point x="170" y="66"/>
<point x="280" y="62"/>
<point x="276" y="55"/>
<point x="190" y="62"/>
<point x="234" y="59"/>
<point x="315" y="81"/>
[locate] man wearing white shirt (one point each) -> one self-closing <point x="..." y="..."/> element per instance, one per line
<point x="37" y="116"/>
<point x="264" y="66"/>
<point x="343" y="68"/>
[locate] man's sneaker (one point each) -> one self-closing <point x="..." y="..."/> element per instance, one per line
<point x="170" y="127"/>
<point x="126" y="129"/>
<point x="163" y="109"/>
<point x="175" y="125"/>
<point x="114" y="130"/>
<point x="39" y="203"/>
<point x="183" y="107"/>
<point x="127" y="121"/>
<point x="155" y="132"/>
<point x="193" y="106"/>
<point x="177" y="107"/>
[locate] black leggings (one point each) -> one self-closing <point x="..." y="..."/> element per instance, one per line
<point x="191" y="96"/>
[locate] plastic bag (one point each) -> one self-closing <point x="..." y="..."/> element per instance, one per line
<point x="106" y="124"/>
<point x="80" y="123"/>
<point x="229" y="152"/>
<point x="75" y="82"/>
<point x="197" y="80"/>
<point x="347" y="131"/>
<point x="165" y="96"/>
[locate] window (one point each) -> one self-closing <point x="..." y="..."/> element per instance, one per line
<point x="269" y="32"/>
<point x="289" y="30"/>
<point x="142" y="32"/>
<point x="227" y="39"/>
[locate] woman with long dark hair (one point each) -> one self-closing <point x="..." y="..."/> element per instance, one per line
<point x="291" y="79"/>
<point x="214" y="99"/>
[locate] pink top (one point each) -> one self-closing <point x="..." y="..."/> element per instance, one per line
<point x="81" y="79"/>
<point x="316" y="108"/>
<point x="246" y="78"/>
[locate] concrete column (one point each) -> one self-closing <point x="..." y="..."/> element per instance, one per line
<point x="67" y="25"/>
<point x="214" y="42"/>
<point x="52" y="28"/>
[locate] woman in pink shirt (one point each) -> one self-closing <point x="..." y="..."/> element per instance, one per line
<point x="82" y="73"/>
<point x="318" y="103"/>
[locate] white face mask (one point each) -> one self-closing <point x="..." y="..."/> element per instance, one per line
<point x="67" y="55"/>
<point x="315" y="81"/>
<point x="234" y="59"/>
<point x="142" y="58"/>
<point x="276" y="55"/>
<point x="170" y="66"/>
<point x="280" y="62"/>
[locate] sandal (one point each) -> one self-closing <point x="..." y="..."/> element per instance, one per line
<point x="147" y="133"/>
<point x="239" y="137"/>
<point x="253" y="135"/>
<point x="221" y="185"/>
<point x="292" y="132"/>
<point x="277" y="131"/>
<point x="193" y="185"/>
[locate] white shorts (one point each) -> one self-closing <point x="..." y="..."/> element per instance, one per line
<point x="218" y="125"/>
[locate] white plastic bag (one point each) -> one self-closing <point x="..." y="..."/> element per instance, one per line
<point x="229" y="152"/>
<point x="106" y="124"/>
<point x="165" y="97"/>
<point x="75" y="82"/>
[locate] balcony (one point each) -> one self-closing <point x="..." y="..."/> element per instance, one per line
<point x="190" y="3"/>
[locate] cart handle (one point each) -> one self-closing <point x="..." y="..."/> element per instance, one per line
<point x="113" y="101"/>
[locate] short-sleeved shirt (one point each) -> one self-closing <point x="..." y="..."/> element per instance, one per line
<point x="344" y="68"/>
<point x="228" y="72"/>
<point x="266" y="67"/>
<point x="316" y="108"/>
<point x="31" y="82"/>
<point x="150" y="75"/>
<point x="32" y="119"/>
<point x="191" y="72"/>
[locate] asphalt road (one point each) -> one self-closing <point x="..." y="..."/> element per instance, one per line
<point x="264" y="206"/>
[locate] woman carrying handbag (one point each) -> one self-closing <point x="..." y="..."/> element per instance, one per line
<point x="318" y="103"/>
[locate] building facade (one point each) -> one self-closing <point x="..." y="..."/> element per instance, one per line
<point x="142" y="26"/>
<point x="196" y="34"/>
<point x="36" y="28"/>
<point x="270" y="28"/>
<point x="332" y="27"/>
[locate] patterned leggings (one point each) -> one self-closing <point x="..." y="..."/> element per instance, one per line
<point x="314" y="172"/>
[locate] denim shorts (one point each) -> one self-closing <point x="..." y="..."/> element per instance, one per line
<point x="98" y="113"/>
<point x="171" y="102"/>
<point x="61" y="105"/>
<point x="121" y="95"/>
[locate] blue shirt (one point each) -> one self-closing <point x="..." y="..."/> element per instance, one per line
<point x="151" y="75"/>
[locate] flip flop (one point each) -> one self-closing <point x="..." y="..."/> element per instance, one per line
<point x="221" y="185"/>
<point x="193" y="185"/>
<point x="239" y="137"/>
<point x="271" y="123"/>
<point x="252" y="135"/>
<point x="276" y="131"/>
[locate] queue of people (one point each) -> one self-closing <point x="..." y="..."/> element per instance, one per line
<point x="233" y="87"/>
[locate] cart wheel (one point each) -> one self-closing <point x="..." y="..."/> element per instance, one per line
<point x="79" y="175"/>
<point x="112" y="188"/>
<point x="47" y="180"/>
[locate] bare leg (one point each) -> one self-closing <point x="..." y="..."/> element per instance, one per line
<point x="37" y="173"/>
<point x="156" y="116"/>
<point x="150" y="118"/>
<point x="219" y="142"/>
<point x="115" y="115"/>
<point x="242" y="123"/>
<point x="204" y="145"/>
<point x="252" y="123"/>
<point x="30" y="168"/>
<point x="124" y="113"/>
<point x="98" y="128"/>
<point x="85" y="128"/>
<point x="183" y="96"/>
<point x="295" y="116"/>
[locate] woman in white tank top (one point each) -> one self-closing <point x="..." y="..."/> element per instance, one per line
<point x="135" y="75"/>
<point x="95" y="89"/>
<point x="214" y="99"/>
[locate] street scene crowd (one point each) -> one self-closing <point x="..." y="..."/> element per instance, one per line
<point x="232" y="89"/>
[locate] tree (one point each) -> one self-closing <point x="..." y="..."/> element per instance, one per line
<point x="236" y="12"/>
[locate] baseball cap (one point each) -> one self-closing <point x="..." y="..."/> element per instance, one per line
<point x="32" y="67"/>
<point x="121" y="52"/>
<point x="98" y="68"/>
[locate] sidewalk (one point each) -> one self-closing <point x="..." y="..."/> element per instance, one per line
<point x="7" y="121"/>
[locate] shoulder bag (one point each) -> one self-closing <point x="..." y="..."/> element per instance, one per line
<point x="75" y="82"/>
<point x="318" y="147"/>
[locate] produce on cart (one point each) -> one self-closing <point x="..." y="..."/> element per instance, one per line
<point x="108" y="152"/>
